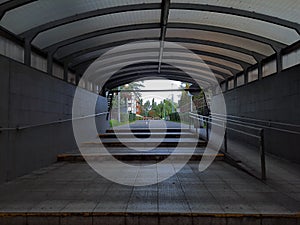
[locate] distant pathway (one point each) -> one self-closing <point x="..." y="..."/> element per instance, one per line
<point x="153" y="124"/>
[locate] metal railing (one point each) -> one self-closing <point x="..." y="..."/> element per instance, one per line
<point x="51" y="123"/>
<point x="257" y="120"/>
<point x="222" y="122"/>
<point x="267" y="124"/>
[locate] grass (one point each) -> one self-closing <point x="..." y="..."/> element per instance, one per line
<point x="115" y="123"/>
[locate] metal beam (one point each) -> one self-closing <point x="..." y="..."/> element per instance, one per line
<point x="232" y="70"/>
<point x="95" y="48"/>
<point x="77" y="78"/>
<point x="257" y="56"/>
<point x="10" y="5"/>
<point x="169" y="71"/>
<point x="133" y="77"/>
<point x="163" y="21"/>
<point x="58" y="45"/>
<point x="88" y="61"/>
<point x="278" y="62"/>
<point x="10" y="36"/>
<point x="140" y="67"/>
<point x="32" y="33"/>
<point x="66" y="71"/>
<point x="203" y="42"/>
<point x="226" y="65"/>
<point x="242" y="63"/>
<point x="27" y="52"/>
<point x="53" y="48"/>
<point x="203" y="73"/>
<point x="277" y="46"/>
<point x="50" y="64"/>
<point x="153" y="90"/>
<point x="83" y="65"/>
<point x="105" y="46"/>
<point x="237" y="12"/>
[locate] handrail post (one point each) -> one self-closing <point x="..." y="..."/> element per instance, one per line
<point x="207" y="130"/>
<point x="190" y="121"/>
<point x="225" y="140"/>
<point x="262" y="155"/>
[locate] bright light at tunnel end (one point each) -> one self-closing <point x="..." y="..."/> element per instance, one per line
<point x="141" y="174"/>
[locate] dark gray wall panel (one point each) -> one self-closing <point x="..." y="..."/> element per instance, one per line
<point x="4" y="102"/>
<point x="30" y="97"/>
<point x="274" y="98"/>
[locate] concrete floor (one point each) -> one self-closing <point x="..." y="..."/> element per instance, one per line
<point x="75" y="187"/>
<point x="73" y="193"/>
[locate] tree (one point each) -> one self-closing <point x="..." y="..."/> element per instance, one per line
<point x="122" y="100"/>
<point x="136" y="86"/>
<point x="185" y="99"/>
<point x="153" y="105"/>
<point x="163" y="109"/>
<point x="146" y="107"/>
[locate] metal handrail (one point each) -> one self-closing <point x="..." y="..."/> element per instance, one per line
<point x="251" y="125"/>
<point x="258" y="125"/>
<point x="243" y="132"/>
<point x="260" y="137"/>
<point x="262" y="126"/>
<point x="227" y="121"/>
<point x="51" y="123"/>
<point x="257" y="120"/>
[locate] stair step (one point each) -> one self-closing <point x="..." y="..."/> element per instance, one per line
<point x="147" y="130"/>
<point x="148" y="135"/>
<point x="159" y="218"/>
<point x="153" y="143"/>
<point x="131" y="157"/>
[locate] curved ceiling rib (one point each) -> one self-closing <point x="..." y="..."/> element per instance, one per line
<point x="53" y="48"/>
<point x="257" y="56"/>
<point x="12" y="5"/>
<point x="199" y="74"/>
<point x="237" y="12"/>
<point x="153" y="67"/>
<point x="218" y="74"/>
<point x="234" y="67"/>
<point x="275" y="45"/>
<point x="84" y="63"/>
<point x="244" y="64"/>
<point x="112" y="83"/>
<point x="135" y="77"/>
<point x="153" y="74"/>
<point x="32" y="33"/>
<point x="76" y="51"/>
<point x="179" y="64"/>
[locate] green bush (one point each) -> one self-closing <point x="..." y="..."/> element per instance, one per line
<point x="113" y="123"/>
<point x="132" y="117"/>
<point x="124" y="117"/>
<point x="174" y="117"/>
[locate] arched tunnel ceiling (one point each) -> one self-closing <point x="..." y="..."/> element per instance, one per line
<point x="228" y="35"/>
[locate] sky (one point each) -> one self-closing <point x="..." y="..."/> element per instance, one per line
<point x="160" y="85"/>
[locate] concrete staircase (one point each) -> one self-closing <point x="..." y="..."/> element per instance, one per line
<point x="143" y="144"/>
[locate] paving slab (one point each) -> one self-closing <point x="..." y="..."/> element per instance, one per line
<point x="221" y="193"/>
